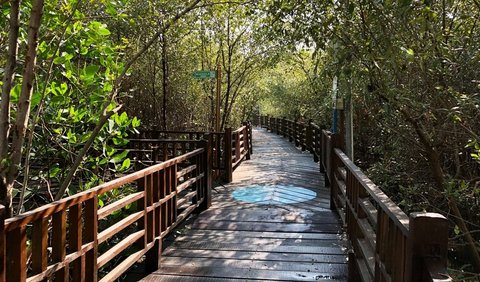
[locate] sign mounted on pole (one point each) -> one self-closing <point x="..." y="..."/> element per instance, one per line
<point x="204" y="74"/>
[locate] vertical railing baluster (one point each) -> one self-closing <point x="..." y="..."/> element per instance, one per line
<point x="17" y="254"/>
<point x="237" y="146"/>
<point x="91" y="231"/>
<point x="75" y="240"/>
<point x="228" y="155"/>
<point x="59" y="239"/>
<point x="173" y="183"/>
<point x="39" y="245"/>
<point x="163" y="194"/>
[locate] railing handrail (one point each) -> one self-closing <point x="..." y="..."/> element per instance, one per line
<point x="197" y="168"/>
<point x="409" y="254"/>
<point x="400" y="219"/>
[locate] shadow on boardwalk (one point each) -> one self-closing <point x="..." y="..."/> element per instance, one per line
<point x="272" y="223"/>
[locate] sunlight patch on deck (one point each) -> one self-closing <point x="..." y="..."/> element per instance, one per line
<point x="279" y="194"/>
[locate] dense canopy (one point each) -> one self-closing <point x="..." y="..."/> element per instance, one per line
<point x="79" y="77"/>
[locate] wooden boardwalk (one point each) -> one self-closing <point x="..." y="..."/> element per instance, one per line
<point x="272" y="223"/>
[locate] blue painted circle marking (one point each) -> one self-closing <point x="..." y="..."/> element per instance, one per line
<point x="273" y="194"/>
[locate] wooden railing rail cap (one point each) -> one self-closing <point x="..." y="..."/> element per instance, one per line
<point x="64" y="203"/>
<point x="47" y="210"/>
<point x="180" y="132"/>
<point x="164" y="140"/>
<point x="239" y="129"/>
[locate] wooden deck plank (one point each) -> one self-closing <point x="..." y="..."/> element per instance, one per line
<point x="334" y="269"/>
<point x="241" y="273"/>
<point x="262" y="226"/>
<point x="253" y="255"/>
<point x="264" y="241"/>
<point x="271" y="248"/>
<point x="292" y="236"/>
<point x="266" y="215"/>
<point x="227" y="234"/>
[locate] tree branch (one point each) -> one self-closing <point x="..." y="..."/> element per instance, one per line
<point x="40" y="107"/>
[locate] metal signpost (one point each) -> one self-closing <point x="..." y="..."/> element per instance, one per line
<point x="209" y="74"/>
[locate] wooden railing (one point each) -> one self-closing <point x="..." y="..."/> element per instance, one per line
<point x="239" y="144"/>
<point x="387" y="245"/>
<point x="153" y="146"/>
<point x="96" y="235"/>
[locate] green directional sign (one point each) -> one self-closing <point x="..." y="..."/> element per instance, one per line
<point x="204" y="74"/>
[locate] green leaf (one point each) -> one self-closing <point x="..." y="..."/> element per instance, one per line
<point x="135" y="122"/>
<point x="119" y="157"/>
<point x="456" y="230"/>
<point x="91" y="70"/>
<point x="103" y="161"/>
<point x="125" y="164"/>
<point x="54" y="171"/>
<point x="36" y="98"/>
<point x="119" y="141"/>
<point x="72" y="138"/>
<point x="15" y="93"/>
<point x="63" y="88"/>
<point x="103" y="31"/>
<point x="109" y="151"/>
<point x="15" y="191"/>
<point x="59" y="60"/>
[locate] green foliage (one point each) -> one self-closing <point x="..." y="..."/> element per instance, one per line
<point x="69" y="97"/>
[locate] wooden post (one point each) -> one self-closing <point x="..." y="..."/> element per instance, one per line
<point x="153" y="221"/>
<point x="292" y="136"/>
<point x="217" y="104"/>
<point x="353" y="273"/>
<point x="246" y="139"/>
<point x="331" y="167"/>
<point x="228" y="155"/>
<point x="309" y="137"/>
<point x="302" y="136"/>
<point x="207" y="165"/>
<point x="427" y="247"/>
<point x="250" y="141"/>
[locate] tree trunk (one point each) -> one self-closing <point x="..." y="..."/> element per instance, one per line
<point x="434" y="159"/>
<point x="23" y="111"/>
<point x="163" y="41"/>
<point x="8" y="79"/>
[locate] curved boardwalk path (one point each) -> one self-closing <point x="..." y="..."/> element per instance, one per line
<point x="272" y="223"/>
